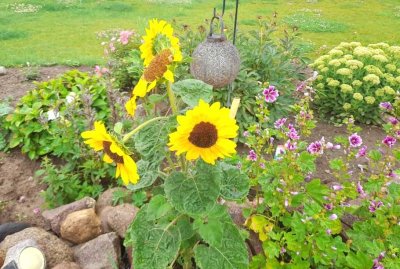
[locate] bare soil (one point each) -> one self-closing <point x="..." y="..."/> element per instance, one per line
<point x="20" y="196"/>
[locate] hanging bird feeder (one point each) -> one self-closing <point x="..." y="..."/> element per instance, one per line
<point x="216" y="61"/>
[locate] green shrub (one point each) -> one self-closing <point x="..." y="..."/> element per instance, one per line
<point x="44" y="116"/>
<point x="354" y="80"/>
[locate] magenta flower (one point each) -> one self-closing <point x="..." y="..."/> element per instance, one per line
<point x="252" y="156"/>
<point x="291" y="145"/>
<point x="386" y="105"/>
<point x="393" y="120"/>
<point x="262" y="165"/>
<point x="389" y="141"/>
<point x="292" y="134"/>
<point x="360" y="189"/>
<point x="355" y="140"/>
<point x="36" y="210"/>
<point x="279" y="123"/>
<point x="377" y="264"/>
<point x="398" y="133"/>
<point x="124" y="37"/>
<point x="245" y="133"/>
<point x="270" y="94"/>
<point x="328" y="231"/>
<point x="361" y="152"/>
<point x="337" y="187"/>
<point x="374" y="205"/>
<point x="328" y="206"/>
<point x="301" y="86"/>
<point x="315" y="148"/>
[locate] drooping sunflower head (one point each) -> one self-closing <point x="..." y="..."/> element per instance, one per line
<point x="100" y="139"/>
<point x="159" y="36"/>
<point x="205" y="131"/>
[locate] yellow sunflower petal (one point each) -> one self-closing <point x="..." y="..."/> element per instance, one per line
<point x="140" y="88"/>
<point x="204" y="132"/>
<point x="107" y="159"/>
<point x="130" y="106"/>
<point x="168" y="75"/>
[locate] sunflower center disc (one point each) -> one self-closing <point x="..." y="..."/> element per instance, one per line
<point x="115" y="157"/>
<point x="158" y="66"/>
<point x="204" y="135"/>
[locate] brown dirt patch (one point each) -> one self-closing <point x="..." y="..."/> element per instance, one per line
<point x="19" y="190"/>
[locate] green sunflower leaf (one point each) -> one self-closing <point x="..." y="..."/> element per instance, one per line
<point x="148" y="174"/>
<point x="235" y="184"/>
<point x="194" y="195"/>
<point x="225" y="247"/>
<point x="192" y="90"/>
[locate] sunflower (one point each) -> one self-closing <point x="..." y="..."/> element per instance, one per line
<point x="159" y="51"/>
<point x="99" y="139"/>
<point x="159" y="36"/>
<point x="205" y="131"/>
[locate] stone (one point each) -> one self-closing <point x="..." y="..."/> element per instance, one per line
<point x="54" y="249"/>
<point x="81" y="226"/>
<point x="106" y="198"/>
<point x="105" y="228"/>
<point x="236" y="212"/>
<point x="11" y="228"/>
<point x="57" y="215"/>
<point x="103" y="252"/>
<point x="3" y="71"/>
<point x="120" y="217"/>
<point x="67" y="265"/>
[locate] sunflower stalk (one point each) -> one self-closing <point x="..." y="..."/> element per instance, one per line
<point x="141" y="126"/>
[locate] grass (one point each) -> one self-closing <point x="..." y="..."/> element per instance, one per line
<point x="64" y="31"/>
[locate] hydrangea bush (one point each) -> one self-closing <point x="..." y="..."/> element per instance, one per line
<point x="355" y="79"/>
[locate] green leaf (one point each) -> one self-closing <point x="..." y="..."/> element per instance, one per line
<point x="118" y="128"/>
<point x="155" y="98"/>
<point x="375" y="155"/>
<point x="358" y="260"/>
<point x="148" y="174"/>
<point x="227" y="253"/>
<point x="195" y="194"/>
<point x="155" y="238"/>
<point x="306" y="162"/>
<point x="317" y="190"/>
<point x="336" y="164"/>
<point x="192" y="90"/>
<point x="235" y="184"/>
<point x="151" y="141"/>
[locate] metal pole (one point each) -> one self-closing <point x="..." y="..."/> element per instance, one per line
<point x="230" y="87"/>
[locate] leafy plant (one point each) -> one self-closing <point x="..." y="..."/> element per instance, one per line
<point x="355" y="80"/>
<point x="5" y="109"/>
<point x="45" y="115"/>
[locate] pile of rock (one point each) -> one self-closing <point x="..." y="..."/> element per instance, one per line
<point x="84" y="234"/>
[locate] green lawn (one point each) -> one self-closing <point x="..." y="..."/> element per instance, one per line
<point x="64" y="31"/>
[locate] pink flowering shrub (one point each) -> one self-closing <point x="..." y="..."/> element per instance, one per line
<point x="352" y="222"/>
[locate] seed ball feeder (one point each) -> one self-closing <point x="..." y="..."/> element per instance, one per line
<point x="216" y="61"/>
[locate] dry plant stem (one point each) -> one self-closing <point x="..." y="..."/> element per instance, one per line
<point x="141" y="126"/>
<point x="174" y="107"/>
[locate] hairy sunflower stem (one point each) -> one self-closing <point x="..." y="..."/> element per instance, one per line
<point x="172" y="99"/>
<point x="141" y="126"/>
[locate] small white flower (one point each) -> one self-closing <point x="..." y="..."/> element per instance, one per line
<point x="70" y="97"/>
<point x="52" y="115"/>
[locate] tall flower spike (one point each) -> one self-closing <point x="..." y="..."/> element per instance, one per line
<point x="205" y="131"/>
<point x="100" y="139"/>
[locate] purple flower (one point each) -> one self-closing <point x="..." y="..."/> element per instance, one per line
<point x="337" y="187"/>
<point x="328" y="231"/>
<point x="252" y="156"/>
<point x="398" y="133"/>
<point x="270" y="94"/>
<point x="389" y="141"/>
<point x="301" y="86"/>
<point x="292" y="134"/>
<point x="328" y="206"/>
<point x="36" y="210"/>
<point x="283" y="250"/>
<point x="291" y="145"/>
<point x="329" y="145"/>
<point x="315" y="148"/>
<point x="377" y="264"/>
<point x="280" y="122"/>
<point x="374" y="205"/>
<point x="239" y="166"/>
<point x="355" y="140"/>
<point x="361" y="152"/>
<point x="360" y="189"/>
<point x="337" y="146"/>
<point x="386" y="105"/>
<point x="245" y="133"/>
<point x="262" y="165"/>
<point x="393" y="120"/>
<point x="333" y="217"/>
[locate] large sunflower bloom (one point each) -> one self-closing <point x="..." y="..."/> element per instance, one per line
<point x="99" y="139"/>
<point x="205" y="131"/>
<point x="159" y="51"/>
<point x="158" y="30"/>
